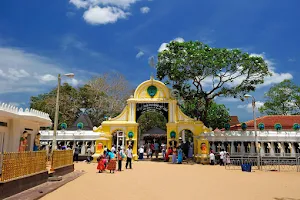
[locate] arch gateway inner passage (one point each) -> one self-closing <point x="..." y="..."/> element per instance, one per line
<point x="151" y="95"/>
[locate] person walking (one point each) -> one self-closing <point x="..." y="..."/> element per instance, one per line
<point x="141" y="153"/>
<point x="180" y="156"/>
<point x="129" y="157"/>
<point x="222" y="155"/>
<point x="76" y="153"/>
<point x="163" y="150"/>
<point x="212" y="158"/>
<point x="89" y="155"/>
<point x="156" y="148"/>
<point x="120" y="158"/>
<point x="174" y="156"/>
<point x="111" y="166"/>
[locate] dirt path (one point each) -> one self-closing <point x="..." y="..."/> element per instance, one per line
<point x="154" y="181"/>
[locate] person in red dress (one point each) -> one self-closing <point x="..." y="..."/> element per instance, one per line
<point x="101" y="166"/>
<point x="169" y="152"/>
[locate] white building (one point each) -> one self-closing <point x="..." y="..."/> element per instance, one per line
<point x="80" y="133"/>
<point x="14" y="121"/>
<point x="277" y="135"/>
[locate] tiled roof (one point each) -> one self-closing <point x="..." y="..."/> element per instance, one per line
<point x="287" y="122"/>
<point x="234" y="120"/>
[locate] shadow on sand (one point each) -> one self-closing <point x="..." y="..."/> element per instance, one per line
<point x="285" y="198"/>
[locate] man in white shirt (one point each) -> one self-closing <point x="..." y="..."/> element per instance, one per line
<point x="129" y="157"/>
<point x="222" y="154"/>
<point x="141" y="153"/>
<point x="113" y="149"/>
<point x="212" y="158"/>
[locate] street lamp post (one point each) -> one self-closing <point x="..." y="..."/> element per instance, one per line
<point x="255" y="128"/>
<point x="69" y="75"/>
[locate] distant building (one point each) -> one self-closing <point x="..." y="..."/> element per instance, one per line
<point x="278" y="135"/>
<point x="234" y="120"/>
<point x="80" y="133"/>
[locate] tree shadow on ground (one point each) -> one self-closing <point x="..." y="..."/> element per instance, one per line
<point x="284" y="198"/>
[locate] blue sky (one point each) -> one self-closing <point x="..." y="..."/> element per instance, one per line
<point x="39" y="39"/>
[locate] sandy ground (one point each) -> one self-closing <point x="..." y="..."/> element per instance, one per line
<point x="154" y="181"/>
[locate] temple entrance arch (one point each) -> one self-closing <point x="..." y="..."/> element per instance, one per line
<point x="152" y="95"/>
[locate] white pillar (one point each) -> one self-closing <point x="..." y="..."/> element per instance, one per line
<point x="14" y="134"/>
<point x="223" y="146"/>
<point x="252" y="148"/>
<point x="242" y="148"/>
<point x="232" y="148"/>
<point x="183" y="136"/>
<point x="293" y="153"/>
<point x="272" y="150"/>
<point x="213" y="147"/>
<point x="262" y="148"/>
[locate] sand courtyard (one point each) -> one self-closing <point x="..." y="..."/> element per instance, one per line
<point x="157" y="180"/>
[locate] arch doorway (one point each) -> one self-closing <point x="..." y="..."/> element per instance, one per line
<point x="152" y="128"/>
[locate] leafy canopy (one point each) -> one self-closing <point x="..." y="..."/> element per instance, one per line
<point x="202" y="73"/>
<point x="282" y="99"/>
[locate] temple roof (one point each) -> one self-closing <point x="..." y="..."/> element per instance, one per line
<point x="286" y="121"/>
<point x="234" y="120"/>
<point x="85" y="119"/>
<point x="155" y="131"/>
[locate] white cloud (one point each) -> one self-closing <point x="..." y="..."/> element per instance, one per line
<point x="163" y="46"/>
<point x="97" y="15"/>
<point x="139" y="54"/>
<point x="292" y="60"/>
<point x="228" y="99"/>
<point x="145" y="10"/>
<point x="80" y="3"/>
<point x="269" y="80"/>
<point x="103" y="11"/>
<point x="248" y="107"/>
<point x="21" y="71"/>
<point x="276" y="77"/>
<point x="47" y="78"/>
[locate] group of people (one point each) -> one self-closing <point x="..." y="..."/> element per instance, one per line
<point x="177" y="155"/>
<point x="109" y="159"/>
<point x="224" y="158"/>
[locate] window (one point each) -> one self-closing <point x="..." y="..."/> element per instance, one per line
<point x="3" y="124"/>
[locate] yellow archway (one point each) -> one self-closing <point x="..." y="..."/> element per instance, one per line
<point x="153" y="93"/>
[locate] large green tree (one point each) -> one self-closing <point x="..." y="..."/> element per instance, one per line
<point x="201" y="73"/>
<point x="282" y="99"/>
<point x="69" y="106"/>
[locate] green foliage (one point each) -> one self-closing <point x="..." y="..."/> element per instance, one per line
<point x="282" y="99"/>
<point x="105" y="95"/>
<point x="217" y="114"/>
<point x="201" y="73"/>
<point x="69" y="106"/>
<point x="150" y="120"/>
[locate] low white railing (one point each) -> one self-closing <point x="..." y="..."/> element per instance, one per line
<point x="19" y="111"/>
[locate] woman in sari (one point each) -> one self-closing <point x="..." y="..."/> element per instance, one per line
<point x="174" y="158"/>
<point x="169" y="152"/>
<point x="179" y="161"/>
<point x="111" y="166"/>
<point x="101" y="166"/>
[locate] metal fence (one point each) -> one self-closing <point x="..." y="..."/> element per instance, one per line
<point x="281" y="164"/>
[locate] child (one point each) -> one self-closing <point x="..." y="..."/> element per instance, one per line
<point x="100" y="166"/>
